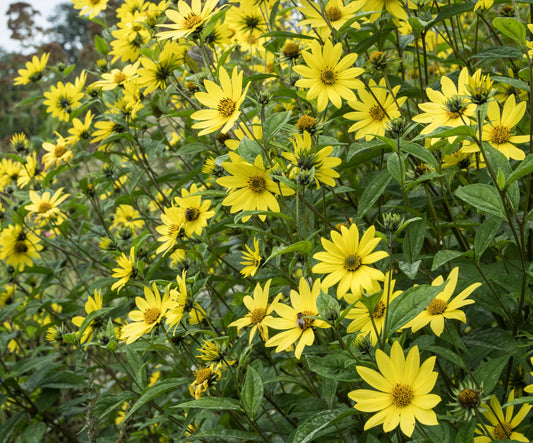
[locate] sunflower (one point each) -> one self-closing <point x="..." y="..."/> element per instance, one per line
<point x="259" y="311"/>
<point x="46" y="205"/>
<point x="187" y="19"/>
<point x="251" y="186"/>
<point x="224" y="102"/>
<point x="214" y="355"/>
<point x="251" y="260"/>
<point x="346" y="261"/>
<point x="31" y="171"/>
<point x="125" y="271"/>
<point x="396" y="8"/>
<point x="91" y="7"/>
<point x="171" y="230"/>
<point x="204" y="377"/>
<point x="34" y="70"/>
<point x="336" y="15"/>
<point x="195" y="212"/>
<point x="441" y="308"/>
<point x="502" y="427"/>
<point x="306" y="158"/>
<point x="117" y="77"/>
<point x="18" y="247"/>
<point x="402" y="391"/>
<point x="298" y="321"/>
<point x="127" y="217"/>
<point x="179" y="302"/>
<point x="151" y="310"/>
<point x="375" y="110"/>
<point x="19" y="142"/>
<point x="62" y="99"/>
<point x="529" y="388"/>
<point x="92" y="305"/>
<point x="327" y="76"/>
<point x="80" y="130"/>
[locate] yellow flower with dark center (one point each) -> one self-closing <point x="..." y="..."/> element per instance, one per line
<point x="336" y="15"/>
<point x="402" y="394"/>
<point x="171" y="230"/>
<point x="204" y="377"/>
<point x="187" y="19"/>
<point x="224" y="102"/>
<point x="19" y="142"/>
<point x="62" y="99"/>
<point x="127" y="217"/>
<point x="45" y="206"/>
<point x="259" y="311"/>
<point x="117" y="77"/>
<point x="80" y="129"/>
<point x="251" y="186"/>
<point x="441" y="307"/>
<point x="9" y="172"/>
<point x="92" y="305"/>
<point x="105" y="129"/>
<point x="18" y="247"/>
<point x="251" y="260"/>
<point x="502" y="427"/>
<point x="371" y="323"/>
<point x="297" y="321"/>
<point x="179" y="301"/>
<point x="448" y="107"/>
<point x="91" y="7"/>
<point x="56" y="153"/>
<point x="30" y="172"/>
<point x="346" y="260"/>
<point x="151" y="310"/>
<point x="306" y="158"/>
<point x="328" y="77"/>
<point x="463" y="159"/>
<point x="195" y="211"/>
<point x="125" y="271"/>
<point x="529" y="388"/>
<point x="396" y="8"/>
<point x="375" y="110"/>
<point x="131" y="36"/>
<point x="34" y="70"/>
<point x="213" y="355"/>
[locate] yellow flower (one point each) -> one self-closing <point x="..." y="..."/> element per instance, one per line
<point x="34" y="70"/>
<point x="242" y="131"/>
<point x="396" y="8"/>
<point x="125" y="271"/>
<point x="483" y="4"/>
<point x="251" y="260"/>
<point x="463" y="159"/>
<point x="30" y="171"/>
<point x="195" y="212"/>
<point x="337" y="14"/>
<point x="213" y="355"/>
<point x="204" y="377"/>
<point x="529" y="388"/>
<point x="251" y="186"/>
<point x="187" y="19"/>
<point x="80" y="130"/>
<point x="92" y="305"/>
<point x="224" y="102"/>
<point x="297" y="321"/>
<point x="62" y="99"/>
<point x="91" y="7"/>
<point x="19" y="142"/>
<point x="179" y="302"/>
<point x="18" y="247"/>
<point x="441" y="308"/>
<point x="346" y="261"/>
<point x="171" y="230"/>
<point x="56" y="153"/>
<point x="375" y="110"/>
<point x="126" y="216"/>
<point x="117" y="77"/>
<point x="151" y="310"/>
<point x="402" y="391"/>
<point x="502" y="427"/>
<point x="327" y="76"/>
<point x="259" y="312"/>
<point x="46" y="205"/>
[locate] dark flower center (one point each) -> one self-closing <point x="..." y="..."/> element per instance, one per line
<point x="256" y="184"/>
<point x="191" y="214"/>
<point x="226" y="107"/>
<point x="401" y="395"/>
<point x="151" y="315"/>
<point x="302" y="320"/>
<point x="352" y="262"/>
<point x="333" y="13"/>
<point x="437" y="307"/>
<point x="328" y="76"/>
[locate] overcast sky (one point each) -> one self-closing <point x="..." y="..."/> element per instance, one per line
<point x="46" y="7"/>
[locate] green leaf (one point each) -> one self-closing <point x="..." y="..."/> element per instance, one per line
<point x="465" y="434"/>
<point x="408" y="305"/>
<point x="414" y="240"/>
<point x="395" y="169"/>
<point x="447" y="354"/>
<point x="8" y="426"/>
<point x="249" y="150"/>
<point x="420" y="152"/>
<point x="328" y="307"/>
<point x="101" y="45"/>
<point x="34" y="432"/>
<point x="338" y="365"/>
<point x="447" y="131"/>
<point x="319" y="421"/>
<point x="499" y="52"/>
<point x="512" y="28"/>
<point x="274" y="123"/>
<point x="252" y="392"/>
<point x="409" y="269"/>
<point x="109" y="402"/>
<point x="153" y="391"/>
<point x="303" y="246"/>
<point x="372" y="192"/>
<point x="216" y="403"/>
<point x="221" y="434"/>
<point x="444" y="256"/>
<point x="518" y="84"/>
<point x="525" y="167"/>
<point x="485" y="234"/>
<point x="490" y="372"/>
<point x="483" y="197"/>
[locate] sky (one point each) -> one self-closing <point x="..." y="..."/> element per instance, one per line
<point x="46" y="7"/>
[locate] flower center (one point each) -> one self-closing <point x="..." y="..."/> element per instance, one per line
<point x="64" y="103"/>
<point x="352" y="262"/>
<point x="455" y="107"/>
<point x="401" y="395"/>
<point x="256" y="184"/>
<point x="191" y="214"/>
<point x="44" y="207"/>
<point x="151" y="315"/>
<point x="59" y="150"/>
<point x="327" y="75"/>
<point x="437" y="307"/>
<point x="203" y="375"/>
<point x="291" y="50"/>
<point x="191" y="21"/>
<point x="174" y="229"/>
<point x="95" y="2"/>
<point x="500" y="135"/>
<point x="305" y="123"/>
<point x="468" y="398"/>
<point x="119" y="77"/>
<point x="302" y="321"/>
<point x="379" y="310"/>
<point x="333" y="13"/>
<point x="502" y="431"/>
<point x="226" y="107"/>
<point x="21" y="247"/>
<point x="257" y="315"/>
<point x="376" y="113"/>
